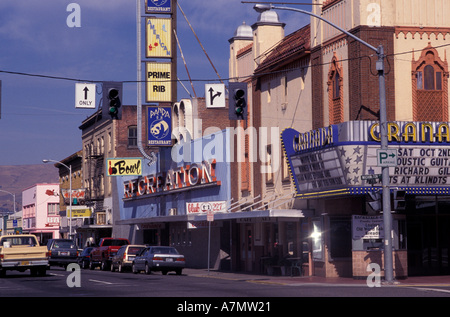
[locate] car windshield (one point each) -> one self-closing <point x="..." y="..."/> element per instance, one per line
<point x="164" y="250"/>
<point x="65" y="244"/>
<point x="31" y="241"/>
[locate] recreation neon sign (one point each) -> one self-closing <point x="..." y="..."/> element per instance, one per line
<point x="184" y="177"/>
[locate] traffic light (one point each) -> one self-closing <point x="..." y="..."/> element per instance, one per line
<point x="112" y="99"/>
<point x="114" y="102"/>
<point x="374" y="202"/>
<point x="399" y="199"/>
<point x="237" y="101"/>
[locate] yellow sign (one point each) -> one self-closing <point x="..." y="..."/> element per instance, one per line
<point x="159" y="82"/>
<point x="158" y="37"/>
<point x="124" y="167"/>
<point x="80" y="212"/>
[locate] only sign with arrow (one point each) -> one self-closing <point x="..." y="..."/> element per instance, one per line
<point x="85" y="96"/>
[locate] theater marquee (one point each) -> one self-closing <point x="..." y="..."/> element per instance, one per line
<point x="335" y="160"/>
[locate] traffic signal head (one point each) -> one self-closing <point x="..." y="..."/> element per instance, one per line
<point x="237" y="101"/>
<point x="112" y="99"/>
<point x="114" y="102"/>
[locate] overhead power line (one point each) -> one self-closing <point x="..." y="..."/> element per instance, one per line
<point x="203" y="80"/>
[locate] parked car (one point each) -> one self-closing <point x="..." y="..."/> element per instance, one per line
<point x="84" y="257"/>
<point x="125" y="256"/>
<point x="62" y="252"/>
<point x="159" y="258"/>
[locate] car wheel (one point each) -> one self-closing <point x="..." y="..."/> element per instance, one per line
<point x="147" y="269"/>
<point x="133" y="268"/>
<point x="91" y="265"/>
<point x="120" y="269"/>
<point x="112" y="267"/>
<point x="164" y="272"/>
<point x="178" y="271"/>
<point x="104" y="266"/>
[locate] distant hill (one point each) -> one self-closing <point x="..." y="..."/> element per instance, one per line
<point x="16" y="178"/>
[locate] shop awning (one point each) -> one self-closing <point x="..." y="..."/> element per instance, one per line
<point x="256" y="215"/>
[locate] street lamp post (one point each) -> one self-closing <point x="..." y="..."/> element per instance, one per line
<point x="70" y="192"/>
<point x="387" y="216"/>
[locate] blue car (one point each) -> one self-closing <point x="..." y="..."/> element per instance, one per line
<point x="62" y="252"/>
<point x="159" y="258"/>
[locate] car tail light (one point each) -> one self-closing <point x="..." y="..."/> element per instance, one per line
<point x="180" y="259"/>
<point x="1" y="256"/>
<point x="158" y="258"/>
<point x="48" y="254"/>
<point x="124" y="255"/>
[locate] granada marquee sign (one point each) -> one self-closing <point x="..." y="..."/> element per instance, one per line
<point x="192" y="176"/>
<point x="332" y="160"/>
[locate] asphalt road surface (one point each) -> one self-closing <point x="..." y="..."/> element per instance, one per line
<point x="190" y="291"/>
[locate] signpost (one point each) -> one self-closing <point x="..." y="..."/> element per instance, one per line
<point x="210" y="218"/>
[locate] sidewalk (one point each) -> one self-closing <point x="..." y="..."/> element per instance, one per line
<point x="298" y="280"/>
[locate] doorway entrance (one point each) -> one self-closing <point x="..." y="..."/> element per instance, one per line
<point x="429" y="239"/>
<point x="247" y="256"/>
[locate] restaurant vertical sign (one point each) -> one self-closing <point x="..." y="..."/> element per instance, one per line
<point x="158" y="6"/>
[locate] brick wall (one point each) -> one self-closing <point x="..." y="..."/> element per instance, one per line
<point x="361" y="259"/>
<point x="363" y="76"/>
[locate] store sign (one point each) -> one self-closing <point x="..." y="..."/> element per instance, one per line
<point x="123" y="167"/>
<point x="158" y="37"/>
<point x="183" y="178"/>
<point x="158" y="6"/>
<point x="413" y="132"/>
<point x="205" y="207"/>
<point x="78" y="196"/>
<point x="80" y="212"/>
<point x="159" y="126"/>
<point x="158" y="82"/>
<point x="367" y="227"/>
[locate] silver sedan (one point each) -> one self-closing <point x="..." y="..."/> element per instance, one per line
<point x="159" y="258"/>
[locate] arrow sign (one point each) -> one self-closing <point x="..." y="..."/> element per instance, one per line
<point x="85" y="93"/>
<point x="386" y="158"/>
<point x="85" y="96"/>
<point x="215" y="95"/>
<point x="212" y="96"/>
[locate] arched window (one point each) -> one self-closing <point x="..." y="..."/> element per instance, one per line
<point x="335" y="93"/>
<point x="430" y="87"/>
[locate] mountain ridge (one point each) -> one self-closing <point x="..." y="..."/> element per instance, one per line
<point x="17" y="178"/>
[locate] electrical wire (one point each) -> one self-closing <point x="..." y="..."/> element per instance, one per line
<point x="208" y="79"/>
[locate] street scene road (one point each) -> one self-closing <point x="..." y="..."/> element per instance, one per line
<point x="195" y="283"/>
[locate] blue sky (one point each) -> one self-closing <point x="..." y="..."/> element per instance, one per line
<point x="38" y="116"/>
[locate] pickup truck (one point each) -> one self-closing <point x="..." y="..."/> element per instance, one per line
<point x="103" y="253"/>
<point x="22" y="252"/>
